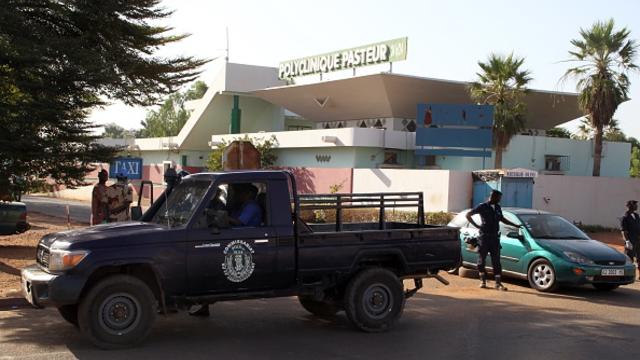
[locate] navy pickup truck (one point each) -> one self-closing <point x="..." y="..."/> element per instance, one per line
<point x="112" y="280"/>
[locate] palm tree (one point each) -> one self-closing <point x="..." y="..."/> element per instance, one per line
<point x="502" y="83"/>
<point x="605" y="56"/>
<point x="586" y="131"/>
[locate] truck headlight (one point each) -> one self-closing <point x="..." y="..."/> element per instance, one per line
<point x="577" y="258"/>
<point x="60" y="260"/>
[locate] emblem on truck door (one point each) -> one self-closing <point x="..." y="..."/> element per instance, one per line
<point x="238" y="261"/>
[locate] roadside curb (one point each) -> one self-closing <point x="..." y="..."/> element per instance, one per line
<point x="13" y="303"/>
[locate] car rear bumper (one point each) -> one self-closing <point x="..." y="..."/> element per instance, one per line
<point x="42" y="289"/>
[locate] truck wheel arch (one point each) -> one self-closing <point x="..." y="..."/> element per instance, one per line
<point x="144" y="271"/>
<point x="389" y="258"/>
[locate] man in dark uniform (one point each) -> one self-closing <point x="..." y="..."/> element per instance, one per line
<point x="489" y="240"/>
<point x="630" y="226"/>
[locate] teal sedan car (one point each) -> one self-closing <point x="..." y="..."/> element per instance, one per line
<point x="549" y="252"/>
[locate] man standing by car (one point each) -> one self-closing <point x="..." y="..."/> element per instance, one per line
<point x="630" y="226"/>
<point x="489" y="240"/>
<point x="99" y="200"/>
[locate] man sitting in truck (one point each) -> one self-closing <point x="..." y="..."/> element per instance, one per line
<point x="245" y="209"/>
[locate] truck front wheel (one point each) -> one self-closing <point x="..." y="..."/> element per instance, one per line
<point x="117" y="312"/>
<point x="374" y="300"/>
<point x="325" y="308"/>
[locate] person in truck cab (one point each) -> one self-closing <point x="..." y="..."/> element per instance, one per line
<point x="245" y="210"/>
<point x="491" y="214"/>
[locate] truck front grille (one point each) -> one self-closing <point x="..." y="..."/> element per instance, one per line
<point x="42" y="256"/>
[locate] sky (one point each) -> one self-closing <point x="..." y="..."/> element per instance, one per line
<point x="446" y="38"/>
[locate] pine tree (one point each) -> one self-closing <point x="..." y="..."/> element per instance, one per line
<point x="61" y="58"/>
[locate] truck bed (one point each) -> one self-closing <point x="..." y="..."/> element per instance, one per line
<point x="420" y="248"/>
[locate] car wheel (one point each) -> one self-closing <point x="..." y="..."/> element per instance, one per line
<point x="325" y="308"/>
<point x="605" y="287"/>
<point x="117" y="312"/>
<point x="69" y="313"/>
<point x="374" y="300"/>
<point x="542" y="276"/>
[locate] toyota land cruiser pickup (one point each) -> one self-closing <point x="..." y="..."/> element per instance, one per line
<point x="112" y="280"/>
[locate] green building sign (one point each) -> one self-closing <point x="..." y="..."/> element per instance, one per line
<point x="378" y="53"/>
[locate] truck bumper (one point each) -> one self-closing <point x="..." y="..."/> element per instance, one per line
<point x="42" y="289"/>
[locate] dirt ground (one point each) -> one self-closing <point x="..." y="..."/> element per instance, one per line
<point x="18" y="251"/>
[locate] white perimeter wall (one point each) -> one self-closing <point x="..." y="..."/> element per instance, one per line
<point x="590" y="200"/>
<point x="444" y="190"/>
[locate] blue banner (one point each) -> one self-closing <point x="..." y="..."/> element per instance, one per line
<point x="126" y="166"/>
<point x="454" y="130"/>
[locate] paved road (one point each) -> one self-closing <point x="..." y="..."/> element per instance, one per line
<point x="455" y="322"/>
<point x="79" y="211"/>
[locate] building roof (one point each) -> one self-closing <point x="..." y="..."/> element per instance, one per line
<point x="389" y="95"/>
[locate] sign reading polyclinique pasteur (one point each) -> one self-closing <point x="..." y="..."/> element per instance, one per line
<point x="378" y="53"/>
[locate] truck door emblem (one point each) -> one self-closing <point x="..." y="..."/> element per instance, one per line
<point x="238" y="262"/>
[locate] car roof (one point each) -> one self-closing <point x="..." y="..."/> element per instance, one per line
<point x="519" y="211"/>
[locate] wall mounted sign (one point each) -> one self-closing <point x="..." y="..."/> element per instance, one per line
<point x="520" y="173"/>
<point x="454" y="130"/>
<point x="128" y="166"/>
<point x="378" y="53"/>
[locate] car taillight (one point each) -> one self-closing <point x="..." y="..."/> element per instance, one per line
<point x="23" y="216"/>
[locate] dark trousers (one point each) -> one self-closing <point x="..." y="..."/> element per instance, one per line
<point x="635" y="252"/>
<point x="491" y="246"/>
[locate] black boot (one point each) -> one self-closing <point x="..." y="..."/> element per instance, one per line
<point x="499" y="285"/>
<point x="199" y="310"/>
<point x="483" y="280"/>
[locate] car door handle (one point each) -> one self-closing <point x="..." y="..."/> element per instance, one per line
<point x="261" y="241"/>
<point x="207" y="245"/>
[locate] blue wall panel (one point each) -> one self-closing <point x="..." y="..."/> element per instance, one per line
<point x="455" y="114"/>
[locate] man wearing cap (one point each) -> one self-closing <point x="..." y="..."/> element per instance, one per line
<point x="99" y="200"/>
<point x="489" y="241"/>
<point x="630" y="226"/>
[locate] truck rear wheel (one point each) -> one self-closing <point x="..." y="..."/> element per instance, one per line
<point x="326" y="308"/>
<point x="374" y="300"/>
<point x="117" y="312"/>
<point x="69" y="313"/>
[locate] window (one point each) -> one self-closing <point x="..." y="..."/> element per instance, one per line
<point x="298" y="127"/>
<point x="390" y="158"/>
<point x="184" y="160"/>
<point x="181" y="203"/>
<point x="234" y="198"/>
<point x="556" y="163"/>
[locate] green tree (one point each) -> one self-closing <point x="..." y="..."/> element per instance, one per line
<point x="61" y="58"/>
<point x="171" y="116"/>
<point x="559" y="132"/>
<point x="634" y="169"/>
<point x="114" y="131"/>
<point x="612" y="131"/>
<point x="266" y="148"/>
<point x="502" y="83"/>
<point x="604" y="58"/>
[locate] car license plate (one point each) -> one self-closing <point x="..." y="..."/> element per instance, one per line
<point x="612" y="272"/>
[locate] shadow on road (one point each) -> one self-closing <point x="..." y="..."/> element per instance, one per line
<point x="433" y="326"/>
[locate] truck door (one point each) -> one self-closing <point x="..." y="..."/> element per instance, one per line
<point x="238" y="258"/>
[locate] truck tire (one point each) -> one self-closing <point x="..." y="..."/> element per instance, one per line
<point x="69" y="313"/>
<point x="374" y="300"/>
<point x="117" y="312"/>
<point x="318" y="308"/>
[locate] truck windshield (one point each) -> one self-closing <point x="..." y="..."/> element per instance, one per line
<point x="181" y="203"/>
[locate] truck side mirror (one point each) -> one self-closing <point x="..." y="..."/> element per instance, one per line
<point x="136" y="213"/>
